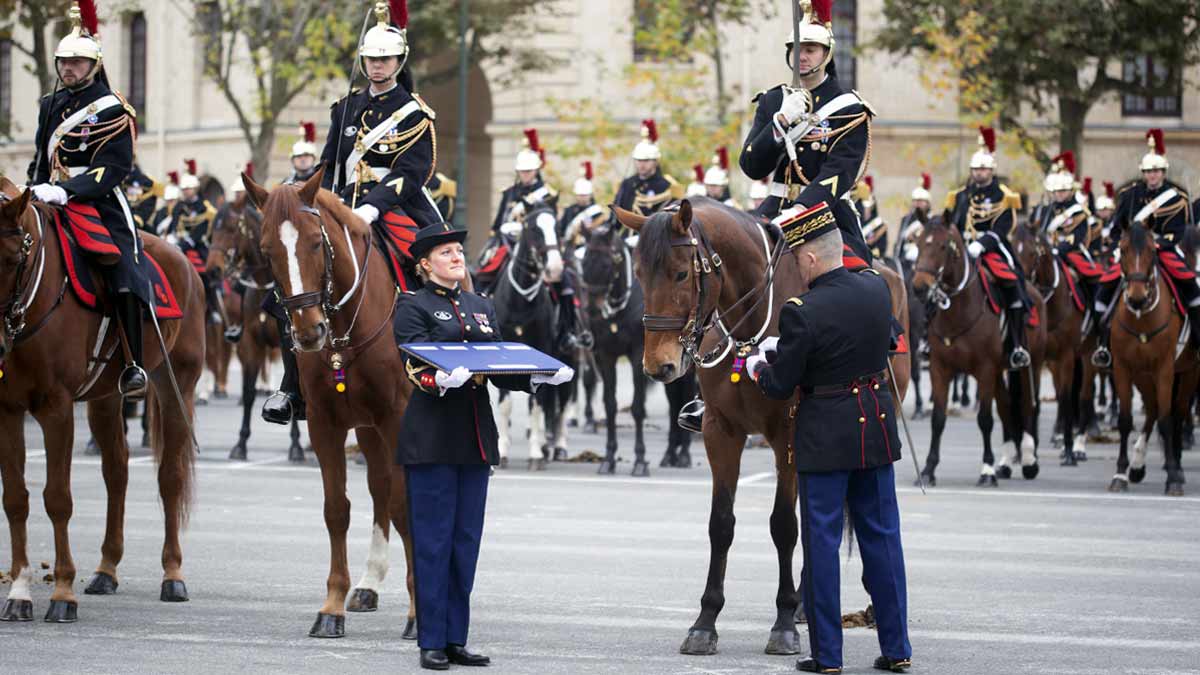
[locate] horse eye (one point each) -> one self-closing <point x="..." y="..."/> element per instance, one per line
<point x="681" y="276"/>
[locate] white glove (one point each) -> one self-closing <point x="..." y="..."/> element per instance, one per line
<point x="911" y="253"/>
<point x="975" y="249"/>
<point x="51" y="194"/>
<point x="561" y="376"/>
<point x="367" y="213"/>
<point x="758" y="360"/>
<point x="632" y="240"/>
<point x="453" y="379"/>
<point x="795" y="106"/>
<point x="769" y="345"/>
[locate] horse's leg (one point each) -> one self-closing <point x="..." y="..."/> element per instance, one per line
<point x="939" y="378"/>
<point x="399" y="514"/>
<point x="176" y="471"/>
<point x="724" y="448"/>
<point x="365" y="597"/>
<point x="608" y="376"/>
<point x="672" y="390"/>
<point x="1068" y="402"/>
<point x="58" y="427"/>
<point x="1079" y="428"/>
<point x="1030" y="405"/>
<point x="638" y="410"/>
<point x="537" y="433"/>
<point x="560" y="425"/>
<point x="19" y="605"/>
<point x="785" y="531"/>
<point x="1165" y="395"/>
<point x="1122" y="390"/>
<point x="329" y="443"/>
<point x="295" y="448"/>
<point x="589" y="392"/>
<point x="987" y="393"/>
<point x="250" y="370"/>
<point x="503" y="421"/>
<point x="105" y="424"/>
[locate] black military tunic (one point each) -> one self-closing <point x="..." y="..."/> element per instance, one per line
<point x="528" y="196"/>
<point x="1168" y="221"/>
<point x="391" y="174"/>
<point x="192" y="222"/>
<point x="833" y="348"/>
<point x="569" y="215"/>
<point x="1067" y="224"/>
<point x="830" y="164"/>
<point x="146" y="204"/>
<point x="645" y="196"/>
<point x="990" y="208"/>
<point x="456" y="427"/>
<point x="90" y="163"/>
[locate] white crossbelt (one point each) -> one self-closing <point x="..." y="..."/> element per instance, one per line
<point x="806" y="123"/>
<point x="1062" y="218"/>
<point x="384" y="128"/>
<point x="1154" y="205"/>
<point x="68" y="125"/>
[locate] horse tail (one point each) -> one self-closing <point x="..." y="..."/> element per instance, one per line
<point x="175" y="456"/>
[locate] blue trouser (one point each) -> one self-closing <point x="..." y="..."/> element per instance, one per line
<point x="871" y="496"/>
<point x="446" y="505"/>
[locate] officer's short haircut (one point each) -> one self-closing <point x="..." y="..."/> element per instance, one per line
<point x="827" y="247"/>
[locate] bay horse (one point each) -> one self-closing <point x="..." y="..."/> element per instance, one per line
<point x="335" y="285"/>
<point x="715" y="282"/>
<point x="526" y="313"/>
<point x="54" y="351"/>
<point x="965" y="337"/>
<point x="235" y="255"/>
<point x="1149" y="353"/>
<point x="614" y="309"/>
<point x="1066" y="312"/>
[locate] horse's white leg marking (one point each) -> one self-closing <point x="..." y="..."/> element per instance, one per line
<point x="377" y="561"/>
<point x="1139" y="451"/>
<point x="1028" y="458"/>
<point x="560" y="435"/>
<point x="537" y="429"/>
<point x="505" y="414"/>
<point x="22" y="585"/>
<point x="289" y="236"/>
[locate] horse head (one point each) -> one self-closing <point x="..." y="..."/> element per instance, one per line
<point x="1033" y="253"/>
<point x="606" y="257"/>
<point x="297" y="246"/>
<point x="940" y="253"/>
<point x="1138" y="250"/>
<point x="16" y="242"/>
<point x="664" y="266"/>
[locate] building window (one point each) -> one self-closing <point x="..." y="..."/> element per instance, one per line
<point x="845" y="33"/>
<point x="137" y="65"/>
<point x="5" y="88"/>
<point x="1145" y="71"/>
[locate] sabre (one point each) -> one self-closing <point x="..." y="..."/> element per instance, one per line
<point x="795" y="43"/>
<point x="907" y="435"/>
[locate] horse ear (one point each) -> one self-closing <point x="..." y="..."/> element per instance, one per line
<point x="308" y="191"/>
<point x="681" y="222"/>
<point x="15" y="207"/>
<point x="9" y="188"/>
<point x="256" y="193"/>
<point x="629" y="219"/>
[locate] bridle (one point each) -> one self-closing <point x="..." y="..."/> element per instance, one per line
<point x="706" y="262"/>
<point x="1041" y="252"/>
<point x="616" y="295"/>
<point x="324" y="296"/>
<point x="239" y="257"/>
<point x="537" y="265"/>
<point x="939" y="293"/>
<point x="25" y="290"/>
<point x="1150" y="279"/>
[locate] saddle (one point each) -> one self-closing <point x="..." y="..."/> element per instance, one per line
<point x="86" y="244"/>
<point x="989" y="271"/>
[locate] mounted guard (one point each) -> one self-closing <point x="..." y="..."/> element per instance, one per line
<point x="716" y="179"/>
<point x="1067" y="223"/>
<point x="304" y="154"/>
<point x="648" y="189"/>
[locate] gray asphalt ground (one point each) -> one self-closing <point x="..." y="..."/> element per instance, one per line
<point x="587" y="574"/>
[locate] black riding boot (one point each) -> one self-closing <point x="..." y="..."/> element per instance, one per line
<point x="287" y="403"/>
<point x="133" y="379"/>
<point x="1194" y="320"/>
<point x="567" y="339"/>
<point x="691" y="415"/>
<point x="1018" y="355"/>
<point x="1102" y="358"/>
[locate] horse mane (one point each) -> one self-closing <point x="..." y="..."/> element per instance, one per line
<point x="654" y="240"/>
<point x="1138" y="238"/>
<point x="330" y="203"/>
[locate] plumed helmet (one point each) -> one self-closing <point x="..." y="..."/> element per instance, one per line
<point x="1156" y="158"/>
<point x="717" y="175"/>
<point x="307" y="145"/>
<point x="389" y="36"/>
<point x="531" y="155"/>
<point x="1108" y="199"/>
<point x="922" y="189"/>
<point x="1061" y="175"/>
<point x="583" y="184"/>
<point x="189" y="181"/>
<point x="83" y="41"/>
<point x="647" y="148"/>
<point x="985" y="156"/>
<point x="816" y="27"/>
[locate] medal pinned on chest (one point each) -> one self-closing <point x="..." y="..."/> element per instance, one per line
<point x="481" y="320"/>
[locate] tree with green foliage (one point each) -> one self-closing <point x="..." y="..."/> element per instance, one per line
<point x="1007" y="60"/>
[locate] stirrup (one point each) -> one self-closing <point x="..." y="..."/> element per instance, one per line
<point x="1102" y="358"/>
<point x="233" y="334"/>
<point x="691" y="416"/>
<point x="132" y="372"/>
<point x="1018" y="359"/>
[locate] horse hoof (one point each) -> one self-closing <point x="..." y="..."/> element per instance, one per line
<point x="328" y="626"/>
<point x="1136" y="475"/>
<point x="102" y="583"/>
<point x="363" y="600"/>
<point x="1056" y="441"/>
<point x="987" y="480"/>
<point x="1080" y="456"/>
<point x="1174" y="489"/>
<point x="1029" y="471"/>
<point x="783" y="642"/>
<point x="145" y="441"/>
<point x="62" y="611"/>
<point x="560" y="454"/>
<point x="173" y="590"/>
<point x="684" y="461"/>
<point x="410" y="630"/>
<point x="17" y="610"/>
<point x="296" y="454"/>
<point x="220" y="395"/>
<point x="238" y="453"/>
<point x="667" y="461"/>
<point x="607" y="466"/>
<point x="699" y="643"/>
<point x="641" y="469"/>
<point x="1118" y="485"/>
<point x="503" y="462"/>
<point x="929" y="479"/>
<point x="1068" y="458"/>
<point x="1004" y="472"/>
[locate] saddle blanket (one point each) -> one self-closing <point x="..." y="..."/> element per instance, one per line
<point x="85" y="242"/>
<point x="988" y="268"/>
<point x="495" y="358"/>
<point x="398" y="233"/>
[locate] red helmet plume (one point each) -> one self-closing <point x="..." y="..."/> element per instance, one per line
<point x="823" y="11"/>
<point x="587" y="170"/>
<point x="191" y="166"/>
<point x="531" y="135"/>
<point x="88" y="18"/>
<point x="310" y="131"/>
<point x="173" y="176"/>
<point x="1065" y="159"/>
<point x="1087" y="185"/>
<point x="650" y="129"/>
<point x="249" y="170"/>
<point x="1110" y="190"/>
<point x="926" y="181"/>
<point x="1156" y="136"/>
<point x="723" y="158"/>
<point x="398" y="9"/>
<point x="870" y="183"/>
<point x="988" y="135"/>
<point x="698" y="169"/>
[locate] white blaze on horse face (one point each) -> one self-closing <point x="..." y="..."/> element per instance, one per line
<point x="377" y="561"/>
<point x="22" y="585"/>
<point x="289" y="236"/>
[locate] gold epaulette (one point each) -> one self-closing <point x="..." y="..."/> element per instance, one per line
<point x="952" y="198"/>
<point x="1012" y="200"/>
<point x="869" y="269"/>
<point x="446" y="187"/>
<point x="429" y="112"/>
<point x="795" y="301"/>
<point x="157" y="188"/>
<point x="864" y="103"/>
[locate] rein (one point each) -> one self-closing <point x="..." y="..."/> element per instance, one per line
<point x="939" y="293"/>
<point x="610" y="308"/>
<point x="25" y="291"/>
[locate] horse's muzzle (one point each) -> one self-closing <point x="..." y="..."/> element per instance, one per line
<point x="311" y="339"/>
<point x="665" y="373"/>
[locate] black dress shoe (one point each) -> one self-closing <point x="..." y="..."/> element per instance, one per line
<point x="893" y="665"/>
<point x="459" y="656"/>
<point x="811" y="666"/>
<point x="281" y="407"/>
<point x="132" y="384"/>
<point x="434" y="659"/>
<point x="691" y="416"/>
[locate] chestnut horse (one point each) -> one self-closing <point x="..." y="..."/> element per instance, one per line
<point x="1056" y="281"/>
<point x="340" y="297"/>
<point x="235" y="254"/>
<point x="50" y="359"/>
<point x="1149" y="353"/>
<point x="709" y="269"/>
<point x="964" y="337"/>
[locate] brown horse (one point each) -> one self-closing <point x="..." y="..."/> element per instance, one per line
<point x="235" y="254"/>
<point x="709" y="269"/>
<point x="218" y="353"/>
<point x="1056" y="281"/>
<point x="340" y="297"/>
<point x="1149" y="354"/>
<point x="964" y="337"/>
<point x="55" y="351"/>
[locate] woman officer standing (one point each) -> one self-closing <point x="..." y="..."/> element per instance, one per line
<point x="448" y="445"/>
